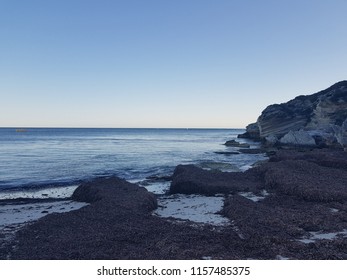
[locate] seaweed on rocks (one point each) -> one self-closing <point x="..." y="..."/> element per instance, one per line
<point x="304" y="196"/>
<point x="118" y="224"/>
<point x="307" y="194"/>
<point x="189" y="179"/>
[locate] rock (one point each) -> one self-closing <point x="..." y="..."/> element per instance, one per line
<point x="233" y="143"/>
<point x="115" y="192"/>
<point x="324" y="139"/>
<point x="298" y="138"/>
<point x="306" y="180"/>
<point x="252" y="151"/>
<point x="278" y="119"/>
<point x="252" y="132"/>
<point x="281" y="217"/>
<point x="271" y="140"/>
<point x="322" y="113"/>
<point x="330" y="107"/>
<point x="189" y="179"/>
<point x="322" y="157"/>
<point x="226" y="153"/>
<point x="317" y="111"/>
<point x="341" y="134"/>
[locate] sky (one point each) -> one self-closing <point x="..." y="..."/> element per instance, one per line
<point x="164" y="63"/>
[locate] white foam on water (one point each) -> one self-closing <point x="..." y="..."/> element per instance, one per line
<point x="158" y="187"/>
<point x="221" y="166"/>
<point x="245" y="167"/>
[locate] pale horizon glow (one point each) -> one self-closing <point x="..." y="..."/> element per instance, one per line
<point x="163" y="64"/>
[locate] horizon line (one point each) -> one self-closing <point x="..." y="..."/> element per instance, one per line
<point x="106" y="127"/>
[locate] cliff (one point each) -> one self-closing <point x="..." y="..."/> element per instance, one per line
<point x="319" y="119"/>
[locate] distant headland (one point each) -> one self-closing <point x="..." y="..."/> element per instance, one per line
<point x="317" y="120"/>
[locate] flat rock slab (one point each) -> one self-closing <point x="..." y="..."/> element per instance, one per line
<point x="189" y="179"/>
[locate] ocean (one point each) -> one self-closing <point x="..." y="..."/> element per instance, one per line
<point x="41" y="164"/>
<point x="46" y="157"/>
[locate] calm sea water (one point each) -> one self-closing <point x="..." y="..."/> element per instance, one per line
<point x="39" y="157"/>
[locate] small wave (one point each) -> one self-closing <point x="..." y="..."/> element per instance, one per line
<point x="222" y="166"/>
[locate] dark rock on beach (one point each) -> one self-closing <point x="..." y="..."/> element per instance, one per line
<point x="306" y="195"/>
<point x="307" y="180"/>
<point x="189" y="179"/>
<point x="300" y="196"/>
<point x="118" y="224"/>
<point x="323" y="157"/>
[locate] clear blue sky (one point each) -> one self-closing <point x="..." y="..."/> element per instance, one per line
<point x="164" y="63"/>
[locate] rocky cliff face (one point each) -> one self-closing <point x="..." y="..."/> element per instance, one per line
<point x="323" y="117"/>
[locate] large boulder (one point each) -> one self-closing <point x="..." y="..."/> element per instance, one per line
<point x="298" y="138"/>
<point x="189" y="179"/>
<point x="114" y="192"/>
<point x="306" y="180"/>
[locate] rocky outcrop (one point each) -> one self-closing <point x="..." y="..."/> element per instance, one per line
<point x="252" y="131"/>
<point x="323" y="114"/>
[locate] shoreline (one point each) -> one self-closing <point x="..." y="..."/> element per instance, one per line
<point x="278" y="209"/>
<point x="159" y="184"/>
